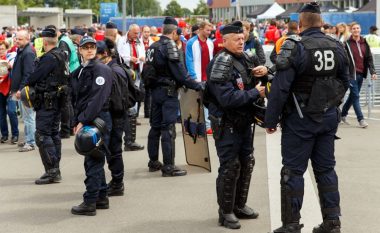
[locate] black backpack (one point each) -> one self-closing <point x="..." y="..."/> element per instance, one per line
<point x="119" y="98"/>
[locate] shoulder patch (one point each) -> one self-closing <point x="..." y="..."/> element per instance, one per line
<point x="100" y="80"/>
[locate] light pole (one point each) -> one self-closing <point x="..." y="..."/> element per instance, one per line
<point x="124" y="23"/>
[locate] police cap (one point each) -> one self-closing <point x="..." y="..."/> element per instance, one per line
<point x="170" y="20"/>
<point x="49" y="32"/>
<point x="311" y="7"/>
<point x="235" y="27"/>
<point x="86" y="40"/>
<point x="101" y="47"/>
<point x="111" y="25"/>
<point x="77" y="31"/>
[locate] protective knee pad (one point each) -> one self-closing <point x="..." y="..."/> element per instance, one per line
<point x="288" y="212"/>
<point x="226" y="185"/>
<point x="47" y="150"/>
<point x="244" y="181"/>
<point x="329" y="198"/>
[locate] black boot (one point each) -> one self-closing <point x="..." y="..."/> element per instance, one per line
<point x="130" y="144"/>
<point x="115" y="188"/>
<point x="228" y="220"/>
<point x="226" y="192"/>
<point x="172" y="170"/>
<point x="154" y="166"/>
<point x="84" y="208"/>
<point x="289" y="228"/>
<point x="102" y="203"/>
<point x="328" y="226"/>
<point x="241" y="210"/>
<point x="50" y="177"/>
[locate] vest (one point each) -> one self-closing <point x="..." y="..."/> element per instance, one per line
<point x="73" y="59"/>
<point x="38" y="45"/>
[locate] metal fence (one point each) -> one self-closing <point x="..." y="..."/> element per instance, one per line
<point x="370" y="92"/>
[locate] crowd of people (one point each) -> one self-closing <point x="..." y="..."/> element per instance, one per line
<point x="64" y="84"/>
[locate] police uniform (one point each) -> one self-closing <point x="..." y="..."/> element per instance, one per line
<point x="114" y="159"/>
<point x="164" y="73"/>
<point x="49" y="77"/>
<point x="91" y="86"/>
<point x="230" y="94"/>
<point x="311" y="79"/>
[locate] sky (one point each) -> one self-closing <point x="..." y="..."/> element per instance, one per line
<point x="191" y="4"/>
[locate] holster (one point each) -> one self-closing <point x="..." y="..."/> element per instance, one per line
<point x="48" y="100"/>
<point x="217" y="126"/>
<point x="171" y="90"/>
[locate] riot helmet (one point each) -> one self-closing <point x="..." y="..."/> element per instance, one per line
<point x="28" y="95"/>
<point x="259" y="112"/>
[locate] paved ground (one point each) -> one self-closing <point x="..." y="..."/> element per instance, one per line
<point x="185" y="204"/>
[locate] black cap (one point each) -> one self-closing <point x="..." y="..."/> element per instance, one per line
<point x="311" y="7"/>
<point x="111" y="25"/>
<point x="101" y="47"/>
<point x="77" y="31"/>
<point x="91" y="29"/>
<point x="194" y="28"/>
<point x="170" y="20"/>
<point x="327" y="26"/>
<point x="49" y="32"/>
<point x="86" y="40"/>
<point x="235" y="27"/>
<point x="179" y="31"/>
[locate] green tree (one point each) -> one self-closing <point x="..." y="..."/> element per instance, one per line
<point x="174" y="9"/>
<point x="201" y="9"/>
<point x="142" y="7"/>
<point x="186" y="12"/>
<point x="19" y="3"/>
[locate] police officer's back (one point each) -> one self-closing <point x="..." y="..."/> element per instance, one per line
<point x="231" y="92"/>
<point x="164" y="73"/>
<point x="311" y="79"/>
<point x="91" y="87"/>
<point x="49" y="81"/>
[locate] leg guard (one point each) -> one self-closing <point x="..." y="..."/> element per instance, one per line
<point x="168" y="144"/>
<point x="242" y="189"/>
<point x="154" y="143"/>
<point x="226" y="191"/>
<point x="290" y="213"/>
<point x="130" y="134"/>
<point x="132" y="127"/>
<point x="147" y="103"/>
<point x="329" y="197"/>
<point x="58" y="149"/>
<point x="47" y="150"/>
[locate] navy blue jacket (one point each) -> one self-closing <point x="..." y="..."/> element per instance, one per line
<point x="22" y="67"/>
<point x="47" y="64"/>
<point x="283" y="79"/>
<point x="91" y="88"/>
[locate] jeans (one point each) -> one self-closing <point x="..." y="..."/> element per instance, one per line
<point x="29" y="118"/>
<point x="353" y="98"/>
<point x="7" y="105"/>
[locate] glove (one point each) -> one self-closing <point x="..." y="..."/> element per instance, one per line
<point x="201" y="86"/>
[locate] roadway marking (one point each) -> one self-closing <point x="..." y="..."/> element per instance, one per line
<point x="310" y="212"/>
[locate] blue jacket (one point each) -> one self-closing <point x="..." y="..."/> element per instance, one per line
<point x="22" y="67"/>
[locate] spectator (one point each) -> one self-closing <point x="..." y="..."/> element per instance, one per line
<point x="252" y="44"/>
<point x="272" y="34"/>
<point x="372" y="38"/>
<point x="343" y="32"/>
<point x="218" y="42"/>
<point x="22" y="68"/>
<point x="361" y="61"/>
<point x="7" y="105"/>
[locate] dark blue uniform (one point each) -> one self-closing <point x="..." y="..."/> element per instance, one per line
<point x="314" y="71"/>
<point x="91" y="87"/>
<point x="231" y="93"/>
<point x="115" y="159"/>
<point x="170" y="73"/>
<point x="44" y="79"/>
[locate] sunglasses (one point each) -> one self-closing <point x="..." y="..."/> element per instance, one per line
<point x="88" y="47"/>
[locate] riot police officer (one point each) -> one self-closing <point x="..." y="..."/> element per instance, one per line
<point x="231" y="91"/>
<point x="91" y="86"/>
<point x="49" y="80"/>
<point x="106" y="54"/>
<point x="164" y="73"/>
<point x="311" y="79"/>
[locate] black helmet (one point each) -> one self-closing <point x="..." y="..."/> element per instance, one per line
<point x="259" y="113"/>
<point x="88" y="140"/>
<point x="28" y="96"/>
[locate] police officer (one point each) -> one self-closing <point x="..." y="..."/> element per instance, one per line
<point x="49" y="80"/>
<point x="91" y="87"/>
<point x="106" y="54"/>
<point x="230" y="94"/>
<point x="311" y="79"/>
<point x="164" y="73"/>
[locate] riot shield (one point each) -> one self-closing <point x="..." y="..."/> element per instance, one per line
<point x="194" y="129"/>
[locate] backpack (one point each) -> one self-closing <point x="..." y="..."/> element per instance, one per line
<point x="119" y="98"/>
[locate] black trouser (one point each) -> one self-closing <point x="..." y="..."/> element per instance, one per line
<point x="67" y="113"/>
<point x="115" y="159"/>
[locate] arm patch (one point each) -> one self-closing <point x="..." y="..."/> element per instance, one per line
<point x="173" y="54"/>
<point x="222" y="68"/>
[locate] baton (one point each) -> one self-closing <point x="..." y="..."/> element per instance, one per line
<point x="297" y="106"/>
